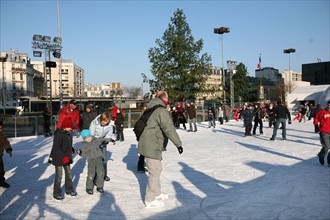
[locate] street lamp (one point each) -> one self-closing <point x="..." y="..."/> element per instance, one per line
<point x="289" y="51"/>
<point x="221" y="31"/>
<point x="44" y="43"/>
<point x="3" y="59"/>
<point x="231" y="65"/>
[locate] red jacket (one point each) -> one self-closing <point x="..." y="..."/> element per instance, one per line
<point x="322" y="119"/>
<point x="66" y="112"/>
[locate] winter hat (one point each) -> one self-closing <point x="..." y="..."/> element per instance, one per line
<point x="67" y="123"/>
<point x="85" y="133"/>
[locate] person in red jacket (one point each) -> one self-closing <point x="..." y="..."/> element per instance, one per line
<point x="70" y="112"/>
<point x="322" y="119"/>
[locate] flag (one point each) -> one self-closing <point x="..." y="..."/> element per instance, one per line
<point x="259" y="64"/>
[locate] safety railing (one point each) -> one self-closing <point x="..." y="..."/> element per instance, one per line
<point x="21" y="126"/>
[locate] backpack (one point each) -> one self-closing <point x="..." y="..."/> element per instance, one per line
<point x="141" y="123"/>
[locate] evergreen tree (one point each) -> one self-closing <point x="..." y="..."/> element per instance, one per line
<point x="177" y="66"/>
<point x="241" y="86"/>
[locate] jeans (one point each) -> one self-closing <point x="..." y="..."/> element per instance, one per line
<point x="191" y="122"/>
<point x="279" y="121"/>
<point x="211" y="121"/>
<point x="325" y="141"/>
<point x="58" y="179"/>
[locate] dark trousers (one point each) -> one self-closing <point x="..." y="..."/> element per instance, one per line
<point x="256" y="122"/>
<point x="141" y="162"/>
<point x="120" y="135"/>
<point x="47" y="127"/>
<point x="2" y="171"/>
<point x="325" y="141"/>
<point x="248" y="127"/>
<point x="58" y="179"/>
<point x="95" y="166"/>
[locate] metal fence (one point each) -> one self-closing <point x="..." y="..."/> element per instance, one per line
<point x="21" y="126"/>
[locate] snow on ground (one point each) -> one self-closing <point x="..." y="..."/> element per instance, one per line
<point x="220" y="175"/>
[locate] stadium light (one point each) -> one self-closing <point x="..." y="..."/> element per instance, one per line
<point x="221" y="31"/>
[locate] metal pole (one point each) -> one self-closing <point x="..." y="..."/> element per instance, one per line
<point x="3" y="88"/>
<point x="223" y="73"/>
<point x="60" y="61"/>
<point x="289" y="73"/>
<point x="50" y="84"/>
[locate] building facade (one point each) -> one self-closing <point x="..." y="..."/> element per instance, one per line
<point x="213" y="84"/>
<point x="16" y="82"/>
<point x="113" y="90"/>
<point x="72" y="77"/>
<point x="316" y="73"/>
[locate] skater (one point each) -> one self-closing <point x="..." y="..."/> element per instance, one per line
<point x="4" y="146"/>
<point x="271" y="116"/>
<point x="220" y="116"/>
<point x="87" y="117"/>
<point x="182" y="119"/>
<point x="70" y="112"/>
<point x="151" y="145"/>
<point x="90" y="148"/>
<point x="102" y="128"/>
<point x="175" y="118"/>
<point x="258" y="116"/>
<point x="281" y="113"/>
<point x="316" y="110"/>
<point x="47" y="116"/>
<point x="247" y="115"/>
<point x="322" y="119"/>
<point x="192" y="117"/>
<point x="61" y="158"/>
<point x="119" y="124"/>
<point x="211" y="116"/>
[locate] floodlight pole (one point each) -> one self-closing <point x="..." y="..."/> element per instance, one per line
<point x="3" y="60"/>
<point x="60" y="61"/>
<point x="289" y="51"/>
<point x="221" y="31"/>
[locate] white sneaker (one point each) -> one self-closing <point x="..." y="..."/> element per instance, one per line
<point x="161" y="196"/>
<point x="154" y="204"/>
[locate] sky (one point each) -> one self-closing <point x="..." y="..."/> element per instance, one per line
<point x="220" y="175"/>
<point x="110" y="39"/>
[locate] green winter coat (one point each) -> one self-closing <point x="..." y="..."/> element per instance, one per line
<point x="159" y="126"/>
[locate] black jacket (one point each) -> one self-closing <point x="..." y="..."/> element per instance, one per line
<point x="281" y="111"/>
<point x="247" y="114"/>
<point x="61" y="147"/>
<point x="119" y="122"/>
<point x="86" y="119"/>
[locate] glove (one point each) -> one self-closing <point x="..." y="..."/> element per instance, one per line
<point x="73" y="150"/>
<point x="10" y="152"/>
<point x="180" y="149"/>
<point x="50" y="160"/>
<point x="66" y="160"/>
<point x="104" y="142"/>
<point x="79" y="152"/>
<point x="289" y="122"/>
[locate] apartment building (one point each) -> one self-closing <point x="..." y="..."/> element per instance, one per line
<point x="15" y="80"/>
<point x="114" y="90"/>
<point x="213" y="84"/>
<point x="71" y="75"/>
